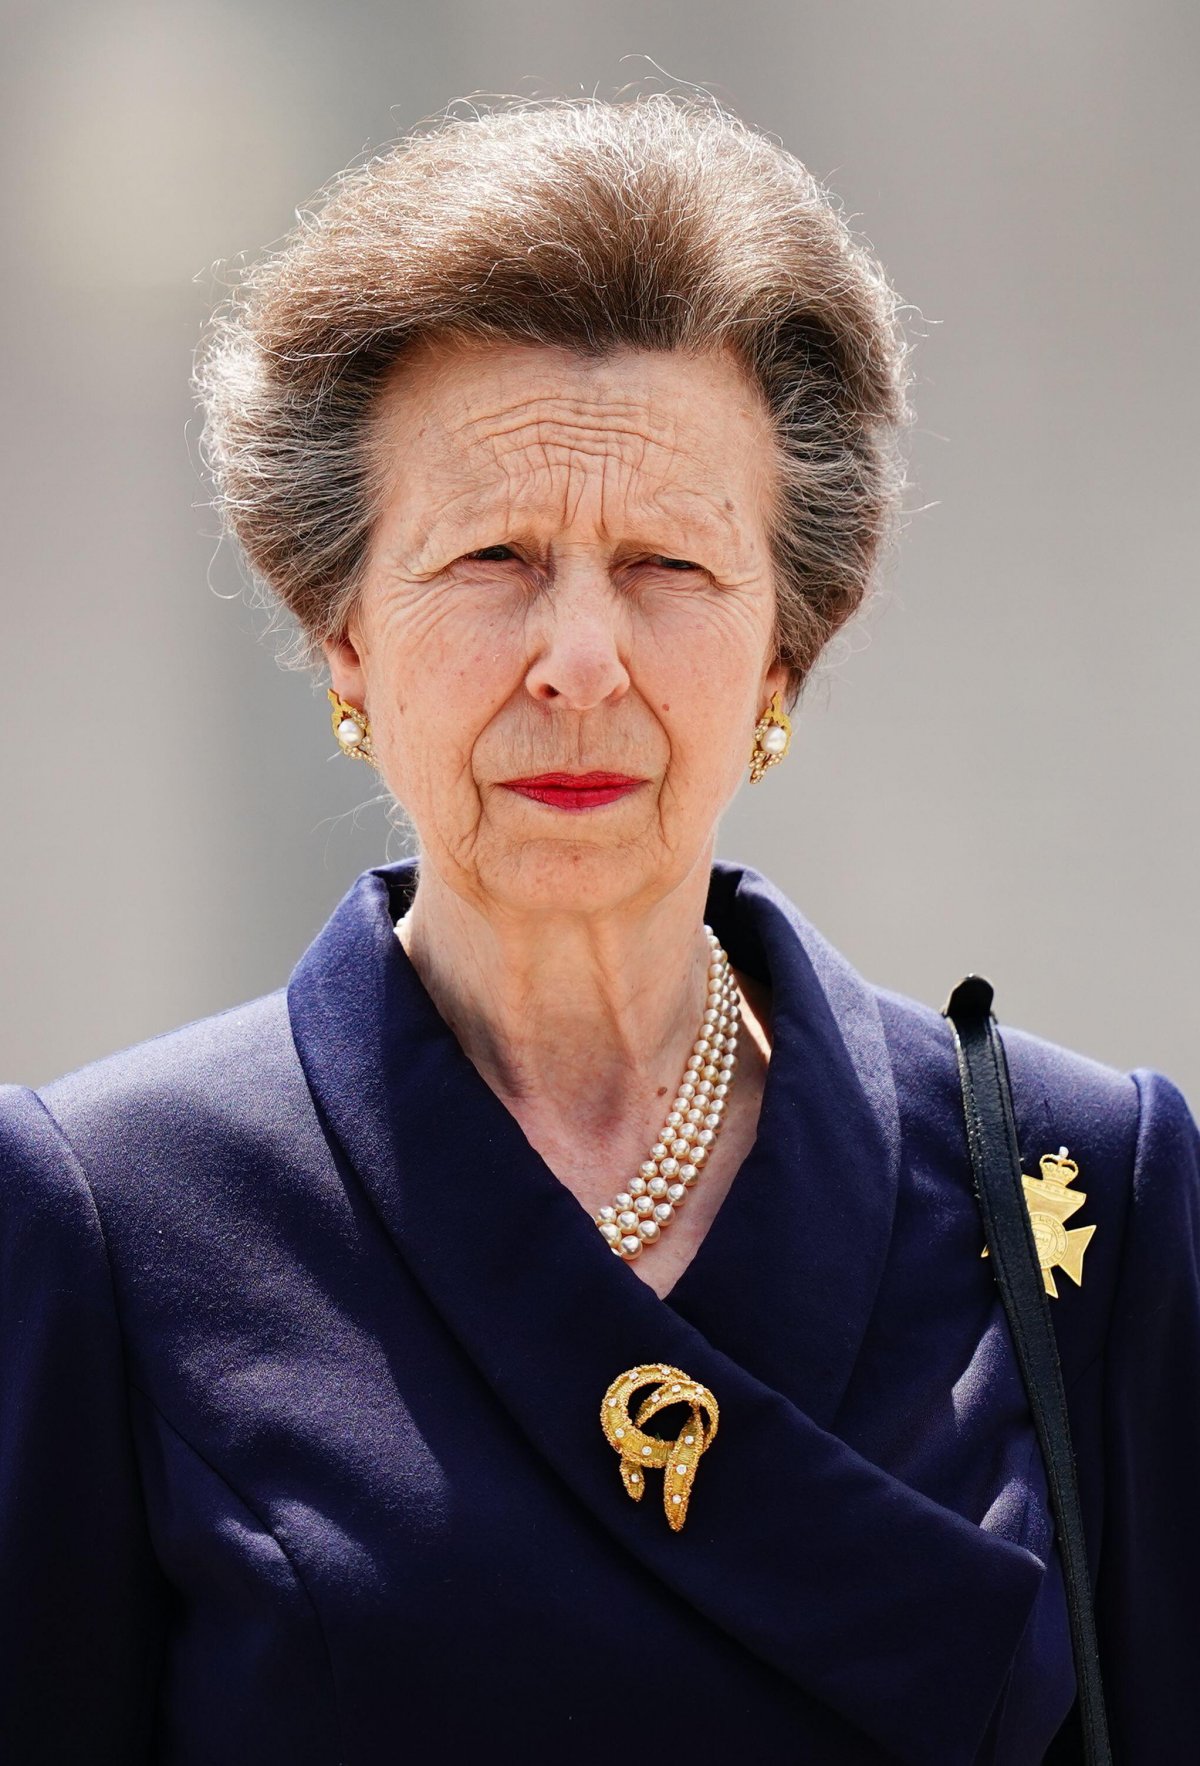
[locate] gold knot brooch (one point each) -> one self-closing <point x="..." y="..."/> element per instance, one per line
<point x="639" y="1451"/>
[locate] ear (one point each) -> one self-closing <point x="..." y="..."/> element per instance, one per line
<point x="346" y="673"/>
<point x="774" y="681"/>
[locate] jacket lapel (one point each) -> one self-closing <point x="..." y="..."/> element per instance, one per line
<point x="812" y="1219"/>
<point x="900" y="1614"/>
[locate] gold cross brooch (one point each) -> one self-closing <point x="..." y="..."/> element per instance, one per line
<point x="1050" y="1202"/>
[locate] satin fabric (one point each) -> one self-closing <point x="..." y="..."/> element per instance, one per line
<point x="305" y="1345"/>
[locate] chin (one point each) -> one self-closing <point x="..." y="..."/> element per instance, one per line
<point x="564" y="875"/>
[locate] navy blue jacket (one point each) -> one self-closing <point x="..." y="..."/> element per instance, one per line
<point x="302" y="1349"/>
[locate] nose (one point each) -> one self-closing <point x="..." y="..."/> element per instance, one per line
<point x="577" y="642"/>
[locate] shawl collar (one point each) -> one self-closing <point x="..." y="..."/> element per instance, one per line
<point x="900" y="1614"/>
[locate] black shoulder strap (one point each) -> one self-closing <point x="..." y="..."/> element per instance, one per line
<point x="996" y="1161"/>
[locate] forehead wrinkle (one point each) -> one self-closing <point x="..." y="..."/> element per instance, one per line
<point x="559" y="429"/>
<point x="563" y="476"/>
<point x="550" y="441"/>
<point x="625" y="416"/>
<point x="541" y="436"/>
<point x="543" y="502"/>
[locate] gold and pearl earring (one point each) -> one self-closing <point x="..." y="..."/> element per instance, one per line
<point x="772" y="735"/>
<point x="351" y="727"/>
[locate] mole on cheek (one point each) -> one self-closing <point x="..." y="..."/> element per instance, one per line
<point x="666" y="707"/>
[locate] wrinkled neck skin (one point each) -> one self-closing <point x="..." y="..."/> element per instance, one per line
<point x="581" y="1023"/>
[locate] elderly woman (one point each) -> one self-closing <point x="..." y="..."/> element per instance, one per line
<point x="554" y="1326"/>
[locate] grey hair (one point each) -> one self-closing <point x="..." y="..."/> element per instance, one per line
<point x="661" y="222"/>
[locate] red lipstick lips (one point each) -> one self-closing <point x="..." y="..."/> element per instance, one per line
<point x="574" y="790"/>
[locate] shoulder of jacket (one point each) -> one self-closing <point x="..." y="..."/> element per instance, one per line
<point x="920" y="1036"/>
<point x="1061" y="1098"/>
<point x="212" y="1065"/>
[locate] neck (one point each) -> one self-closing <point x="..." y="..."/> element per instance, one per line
<point x="585" y="1020"/>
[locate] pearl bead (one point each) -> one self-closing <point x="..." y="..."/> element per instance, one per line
<point x="638" y="1215"/>
<point x="774" y="739"/>
<point x="349" y="732"/>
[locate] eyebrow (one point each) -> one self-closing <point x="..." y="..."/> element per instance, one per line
<point x="706" y="528"/>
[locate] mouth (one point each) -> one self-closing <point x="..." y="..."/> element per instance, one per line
<point x="574" y="791"/>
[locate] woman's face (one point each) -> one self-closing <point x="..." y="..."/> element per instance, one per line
<point x="570" y="573"/>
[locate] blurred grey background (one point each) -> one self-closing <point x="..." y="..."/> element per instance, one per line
<point x="999" y="770"/>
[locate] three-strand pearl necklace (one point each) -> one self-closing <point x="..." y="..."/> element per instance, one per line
<point x="636" y="1217"/>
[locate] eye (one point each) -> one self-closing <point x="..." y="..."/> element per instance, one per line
<point x="674" y="563"/>
<point x="491" y="555"/>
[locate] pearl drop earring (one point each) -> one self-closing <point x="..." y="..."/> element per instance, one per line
<point x="352" y="728"/>
<point x="772" y="735"/>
